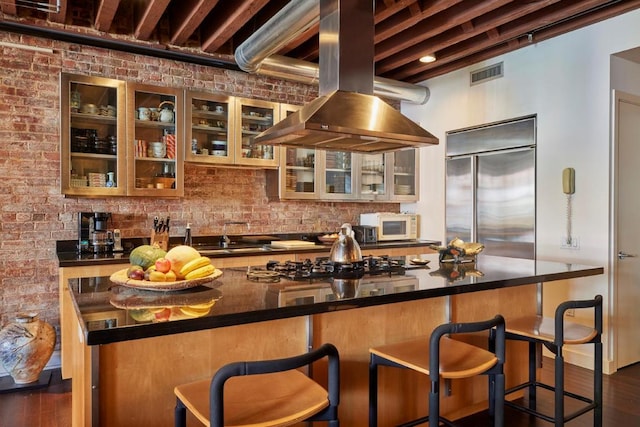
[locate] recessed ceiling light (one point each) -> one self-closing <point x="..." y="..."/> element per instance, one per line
<point x="428" y="58"/>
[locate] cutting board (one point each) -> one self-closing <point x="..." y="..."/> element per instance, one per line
<point x="291" y="244"/>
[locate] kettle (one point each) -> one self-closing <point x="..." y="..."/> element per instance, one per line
<point x="346" y="249"/>
<point x="166" y="114"/>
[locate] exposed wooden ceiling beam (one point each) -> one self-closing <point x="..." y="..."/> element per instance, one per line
<point x="227" y="24"/>
<point x="106" y="12"/>
<point x="450" y="18"/>
<point x="408" y="17"/>
<point x="8" y="7"/>
<point x="474" y="51"/>
<point x="388" y="8"/>
<point x="459" y="32"/>
<point x="456" y="35"/>
<point x="189" y="15"/>
<point x="149" y="19"/>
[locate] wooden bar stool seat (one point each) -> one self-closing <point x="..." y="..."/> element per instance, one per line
<point x="554" y="333"/>
<point x="263" y="393"/>
<point x="457" y="359"/>
<point x="440" y="356"/>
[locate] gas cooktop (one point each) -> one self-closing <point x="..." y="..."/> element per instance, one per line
<point x="323" y="268"/>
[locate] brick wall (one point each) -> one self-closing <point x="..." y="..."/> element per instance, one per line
<point x="33" y="213"/>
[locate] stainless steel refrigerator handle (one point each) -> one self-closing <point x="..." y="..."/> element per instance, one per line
<point x="622" y="255"/>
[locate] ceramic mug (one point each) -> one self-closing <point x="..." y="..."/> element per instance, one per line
<point x="157" y="149"/>
<point x="144" y="113"/>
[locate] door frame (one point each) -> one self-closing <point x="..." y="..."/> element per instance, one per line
<point x="613" y="308"/>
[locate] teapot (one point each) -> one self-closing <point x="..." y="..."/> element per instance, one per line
<point x="345" y="249"/>
<point x="166" y="114"/>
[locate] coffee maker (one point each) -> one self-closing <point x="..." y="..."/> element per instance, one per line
<point x="93" y="233"/>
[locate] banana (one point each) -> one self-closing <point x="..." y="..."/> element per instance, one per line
<point x="193" y="265"/>
<point x="200" y="272"/>
<point x="473" y="248"/>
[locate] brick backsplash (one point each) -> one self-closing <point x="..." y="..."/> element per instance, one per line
<point x="33" y="213"/>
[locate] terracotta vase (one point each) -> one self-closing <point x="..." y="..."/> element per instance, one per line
<point x="26" y="346"/>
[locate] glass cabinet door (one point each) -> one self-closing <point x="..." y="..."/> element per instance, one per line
<point x="155" y="141"/>
<point x="338" y="175"/>
<point x="405" y="175"/>
<point x="298" y="167"/>
<point x="93" y="146"/>
<point x="300" y="172"/>
<point x="252" y="117"/>
<point x="372" y="176"/>
<point x="209" y="118"/>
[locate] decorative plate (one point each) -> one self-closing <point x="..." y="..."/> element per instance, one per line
<point x="120" y="278"/>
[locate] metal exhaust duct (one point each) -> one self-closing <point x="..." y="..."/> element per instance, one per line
<point x="257" y="54"/>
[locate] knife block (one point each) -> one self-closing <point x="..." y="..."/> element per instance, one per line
<point x="160" y="239"/>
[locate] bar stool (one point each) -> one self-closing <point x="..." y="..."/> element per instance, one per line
<point x="265" y="393"/>
<point x="440" y="356"/>
<point x="554" y="334"/>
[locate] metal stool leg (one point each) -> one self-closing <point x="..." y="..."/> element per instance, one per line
<point x="373" y="392"/>
<point x="434" y="404"/>
<point x="559" y="388"/>
<point x="497" y="401"/>
<point x="533" y="351"/>
<point x="597" y="386"/>
<point x="180" y="414"/>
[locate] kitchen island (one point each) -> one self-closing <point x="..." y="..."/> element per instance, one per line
<point x="125" y="369"/>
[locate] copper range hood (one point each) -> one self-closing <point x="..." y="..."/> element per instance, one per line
<point x="347" y="116"/>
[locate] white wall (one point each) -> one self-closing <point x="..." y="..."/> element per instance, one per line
<point x="566" y="81"/>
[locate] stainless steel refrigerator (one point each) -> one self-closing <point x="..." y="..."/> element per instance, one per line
<point x="490" y="187"/>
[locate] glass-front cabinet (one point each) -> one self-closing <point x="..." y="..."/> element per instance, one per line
<point x="405" y="174"/>
<point x="209" y="128"/>
<point x="338" y="176"/>
<point x="372" y="176"/>
<point x="155" y="133"/>
<point x="298" y="169"/>
<point x="93" y="148"/>
<point x="252" y="117"/>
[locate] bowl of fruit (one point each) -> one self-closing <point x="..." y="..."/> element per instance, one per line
<point x="152" y="268"/>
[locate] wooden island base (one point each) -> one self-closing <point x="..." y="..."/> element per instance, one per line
<point x="132" y="381"/>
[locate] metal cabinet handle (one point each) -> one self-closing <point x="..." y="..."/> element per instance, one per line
<point x="622" y="255"/>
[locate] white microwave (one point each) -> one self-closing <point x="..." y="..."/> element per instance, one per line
<point x="392" y="226"/>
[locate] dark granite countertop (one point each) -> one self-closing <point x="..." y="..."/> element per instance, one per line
<point x="108" y="312"/>
<point x="68" y="257"/>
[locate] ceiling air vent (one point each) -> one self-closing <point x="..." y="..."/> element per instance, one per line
<point x="487" y="73"/>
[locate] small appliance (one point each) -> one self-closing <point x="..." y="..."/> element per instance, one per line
<point x="93" y="233"/>
<point x="365" y="234"/>
<point x="392" y="226"/>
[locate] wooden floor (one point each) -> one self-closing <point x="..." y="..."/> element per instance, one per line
<point x="51" y="407"/>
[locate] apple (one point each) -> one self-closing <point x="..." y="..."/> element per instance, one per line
<point x="163" y="316"/>
<point x="163" y="265"/>
<point x="135" y="272"/>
